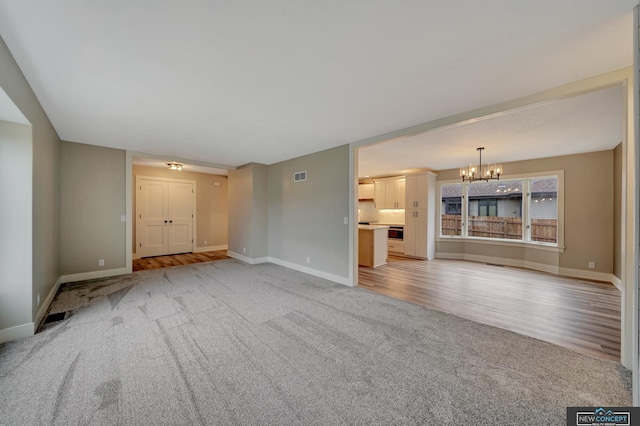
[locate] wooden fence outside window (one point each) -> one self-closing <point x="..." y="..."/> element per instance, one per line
<point x="510" y="228"/>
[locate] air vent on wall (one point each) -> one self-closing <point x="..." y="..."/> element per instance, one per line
<point x="299" y="176"/>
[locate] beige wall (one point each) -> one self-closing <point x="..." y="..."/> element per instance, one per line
<point x="306" y="219"/>
<point x="46" y="179"/>
<point x="248" y="211"/>
<point x="92" y="199"/>
<point x="211" y="203"/>
<point x="15" y="225"/>
<point x="617" y="211"/>
<point x="589" y="212"/>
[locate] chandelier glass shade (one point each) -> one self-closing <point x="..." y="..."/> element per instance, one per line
<point x="481" y="172"/>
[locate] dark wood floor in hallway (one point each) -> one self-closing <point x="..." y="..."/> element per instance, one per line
<point x="177" y="259"/>
<point x="577" y="314"/>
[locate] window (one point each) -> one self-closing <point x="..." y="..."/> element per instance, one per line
<point x="454" y="206"/>
<point x="488" y="207"/>
<point x="452" y="210"/>
<point x="495" y="210"/>
<point x="523" y="209"/>
<point x="543" y="213"/>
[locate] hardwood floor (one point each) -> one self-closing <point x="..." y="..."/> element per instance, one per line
<point x="578" y="314"/>
<point x="177" y="259"/>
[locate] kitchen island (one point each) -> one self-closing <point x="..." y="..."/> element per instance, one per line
<point x="372" y="245"/>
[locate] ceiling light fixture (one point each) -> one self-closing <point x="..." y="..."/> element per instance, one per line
<point x="476" y="172"/>
<point x="175" y="166"/>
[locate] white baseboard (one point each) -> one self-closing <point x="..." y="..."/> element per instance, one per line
<point x="135" y="256"/>
<point x="616" y="281"/>
<point x="590" y="275"/>
<point x="17" y="332"/>
<point x="246" y="259"/>
<point x="210" y="248"/>
<point x="452" y="256"/>
<point x="44" y="306"/>
<point x="552" y="269"/>
<point x="316" y="273"/>
<point x="92" y="275"/>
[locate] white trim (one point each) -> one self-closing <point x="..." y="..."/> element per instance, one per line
<point x="316" y="273"/>
<point x="246" y="259"/>
<point x="46" y="303"/>
<point x="588" y="275"/>
<point x="17" y="332"/>
<point x="483" y="259"/>
<point x="134" y="256"/>
<point x="564" y="91"/>
<point x="129" y="212"/>
<point x="211" y="248"/>
<point x="92" y="275"/>
<point x="616" y="281"/>
<point x="551" y="269"/>
<point x="352" y="229"/>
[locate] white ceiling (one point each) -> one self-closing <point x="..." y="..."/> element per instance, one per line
<point x="586" y="123"/>
<point x="152" y="162"/>
<point x="264" y="81"/>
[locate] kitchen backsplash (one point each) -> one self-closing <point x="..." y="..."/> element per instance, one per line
<point x="367" y="212"/>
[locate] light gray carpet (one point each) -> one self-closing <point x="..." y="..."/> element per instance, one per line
<point x="229" y="343"/>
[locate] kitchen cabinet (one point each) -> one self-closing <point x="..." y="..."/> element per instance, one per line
<point x="372" y="245"/>
<point x="366" y="191"/>
<point x="420" y="222"/>
<point x="389" y="193"/>
<point x="416" y="191"/>
<point x="396" y="246"/>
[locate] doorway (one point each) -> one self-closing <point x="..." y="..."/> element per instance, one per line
<point x="165" y="216"/>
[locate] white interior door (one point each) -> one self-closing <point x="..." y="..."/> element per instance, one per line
<point x="164" y="216"/>
<point x="152" y="232"/>
<point x="180" y="214"/>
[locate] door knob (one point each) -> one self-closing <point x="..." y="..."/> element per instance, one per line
<point x="165" y="221"/>
<point x="171" y="221"/>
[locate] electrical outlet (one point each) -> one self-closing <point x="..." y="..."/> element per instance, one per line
<point x="346" y="220"/>
<point x="244" y="250"/>
<point x="123" y="218"/>
<point x="100" y="262"/>
<point x="38" y="300"/>
<point x="592" y="265"/>
<point x="308" y="260"/>
<point x="205" y="242"/>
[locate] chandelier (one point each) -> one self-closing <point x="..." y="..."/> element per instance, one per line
<point x="476" y="172"/>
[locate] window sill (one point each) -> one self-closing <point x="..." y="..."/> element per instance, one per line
<point x="505" y="243"/>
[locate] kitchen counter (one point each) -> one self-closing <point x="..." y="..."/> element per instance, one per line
<point x="372" y="227"/>
<point x="372" y="245"/>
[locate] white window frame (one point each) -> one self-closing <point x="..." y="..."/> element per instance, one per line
<point x="526" y="217"/>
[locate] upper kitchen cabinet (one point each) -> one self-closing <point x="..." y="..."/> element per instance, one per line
<point x="417" y="188"/>
<point x="390" y="193"/>
<point x="365" y="191"/>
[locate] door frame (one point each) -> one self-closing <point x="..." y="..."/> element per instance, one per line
<point x="193" y="206"/>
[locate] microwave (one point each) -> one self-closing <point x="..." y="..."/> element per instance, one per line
<point x="396" y="233"/>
